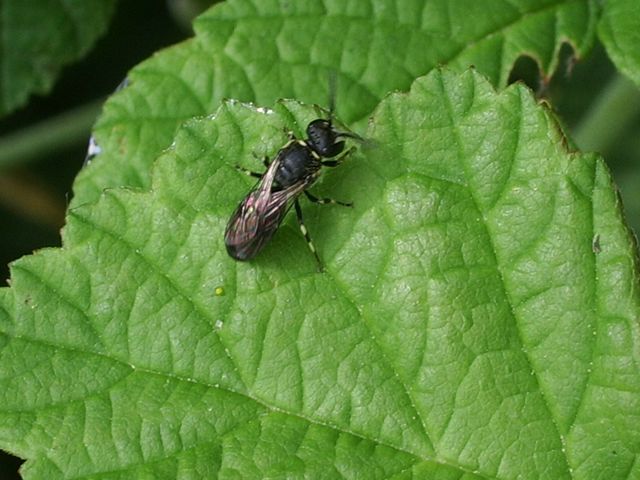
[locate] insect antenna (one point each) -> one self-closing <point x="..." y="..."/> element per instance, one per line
<point x="333" y="93"/>
<point x="333" y="90"/>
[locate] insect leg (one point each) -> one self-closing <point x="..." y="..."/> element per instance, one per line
<point x="289" y="133"/>
<point x="248" y="172"/>
<point x="325" y="201"/>
<point x="339" y="160"/>
<point x="304" y="231"/>
<point x="265" y="161"/>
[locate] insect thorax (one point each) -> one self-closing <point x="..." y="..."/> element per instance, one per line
<point x="297" y="162"/>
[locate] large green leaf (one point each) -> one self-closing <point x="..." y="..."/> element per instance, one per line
<point x="478" y="317"/>
<point x="256" y="50"/>
<point x="39" y="37"/>
<point x="619" y="30"/>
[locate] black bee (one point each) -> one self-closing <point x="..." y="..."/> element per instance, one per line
<point x="294" y="169"/>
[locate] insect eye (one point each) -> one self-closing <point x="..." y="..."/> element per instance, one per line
<point x="318" y="129"/>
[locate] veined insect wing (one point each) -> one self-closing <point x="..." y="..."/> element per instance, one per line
<point x="251" y="224"/>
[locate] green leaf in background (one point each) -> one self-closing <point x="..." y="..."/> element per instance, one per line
<point x="619" y="30"/>
<point x="478" y="317"/>
<point x="258" y="51"/>
<point x="39" y="38"/>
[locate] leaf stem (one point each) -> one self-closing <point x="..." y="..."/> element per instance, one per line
<point x="54" y="133"/>
<point x="609" y="115"/>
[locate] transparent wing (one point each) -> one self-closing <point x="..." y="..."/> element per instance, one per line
<point x="259" y="215"/>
